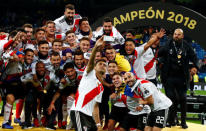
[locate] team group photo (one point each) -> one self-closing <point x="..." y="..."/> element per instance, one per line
<point x="103" y="65"/>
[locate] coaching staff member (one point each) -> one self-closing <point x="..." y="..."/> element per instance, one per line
<point x="176" y="55"/>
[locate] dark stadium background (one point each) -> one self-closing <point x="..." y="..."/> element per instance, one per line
<point x="15" y="13"/>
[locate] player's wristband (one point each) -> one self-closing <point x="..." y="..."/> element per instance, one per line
<point x="141" y="105"/>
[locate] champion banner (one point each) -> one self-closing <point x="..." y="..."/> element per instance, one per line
<point x="168" y="16"/>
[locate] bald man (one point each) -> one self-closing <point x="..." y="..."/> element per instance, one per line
<point x="175" y="57"/>
<point x="149" y="95"/>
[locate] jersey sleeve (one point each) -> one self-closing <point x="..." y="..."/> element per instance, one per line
<point x="57" y="25"/>
<point x="33" y="66"/>
<point x="27" y="77"/>
<point x="120" y="39"/>
<point x="140" y="50"/>
<point x="146" y="90"/>
<point x="54" y="78"/>
<point x="1" y="48"/>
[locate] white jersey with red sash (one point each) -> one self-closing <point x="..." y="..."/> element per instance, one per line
<point x="132" y="101"/>
<point x="80" y="71"/>
<point x="63" y="27"/>
<point x="137" y="62"/>
<point x="71" y="82"/>
<point x="89" y="92"/>
<point x="43" y="83"/>
<point x="145" y="89"/>
<point x="46" y="62"/>
<point x="118" y="38"/>
<point x="150" y="63"/>
<point x="14" y="70"/>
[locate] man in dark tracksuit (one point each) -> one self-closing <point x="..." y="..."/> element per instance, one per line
<point x="176" y="55"/>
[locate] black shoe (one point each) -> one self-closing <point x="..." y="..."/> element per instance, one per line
<point x="9" y="122"/>
<point x="173" y="124"/>
<point x="184" y="125"/>
<point x="63" y="127"/>
<point x="26" y="127"/>
<point x="178" y="123"/>
<point x="192" y="93"/>
<point x="22" y="123"/>
<point x="51" y="128"/>
<point x="168" y="125"/>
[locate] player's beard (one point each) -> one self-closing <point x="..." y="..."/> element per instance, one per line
<point x="131" y="83"/>
<point x="178" y="41"/>
<point x="56" y="66"/>
<point x="69" y="20"/>
<point x="101" y="72"/>
<point x="107" y="32"/>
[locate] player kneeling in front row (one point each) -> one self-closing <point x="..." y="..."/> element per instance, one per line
<point x="133" y="119"/>
<point x="158" y="102"/>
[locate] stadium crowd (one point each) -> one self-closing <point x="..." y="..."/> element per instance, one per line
<point x="48" y="72"/>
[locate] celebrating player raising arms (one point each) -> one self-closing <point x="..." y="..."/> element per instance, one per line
<point x="89" y="94"/>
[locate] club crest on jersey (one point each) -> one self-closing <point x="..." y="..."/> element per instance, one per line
<point x="146" y="91"/>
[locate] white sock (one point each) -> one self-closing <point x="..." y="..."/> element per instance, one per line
<point x="64" y="112"/>
<point x="7" y="112"/>
<point x="23" y="115"/>
<point x="16" y="101"/>
<point x="70" y="101"/>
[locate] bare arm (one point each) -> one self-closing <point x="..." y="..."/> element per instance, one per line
<point x="155" y="37"/>
<point x="90" y="65"/>
<point x="96" y="115"/>
<point x="55" y="97"/>
<point x="52" y="106"/>
<point x="148" y="101"/>
<point x="106" y="84"/>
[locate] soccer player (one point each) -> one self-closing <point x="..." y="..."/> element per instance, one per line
<point x="84" y="44"/>
<point x="79" y="64"/>
<point x="69" y="21"/>
<point x="89" y="94"/>
<point x="109" y="30"/>
<point x="119" y="109"/>
<point x="50" y="32"/>
<point x="108" y="90"/>
<point x="14" y="90"/>
<point x="70" y="41"/>
<point x="39" y="36"/>
<point x="57" y="47"/>
<point x="151" y="96"/>
<point x="135" y="54"/>
<point x="43" y="87"/>
<point x="43" y="55"/>
<point x="122" y="63"/>
<point x="29" y="32"/>
<point x="67" y="90"/>
<point x="84" y="29"/>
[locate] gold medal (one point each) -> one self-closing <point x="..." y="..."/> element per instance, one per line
<point x="45" y="91"/>
<point x="179" y="56"/>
